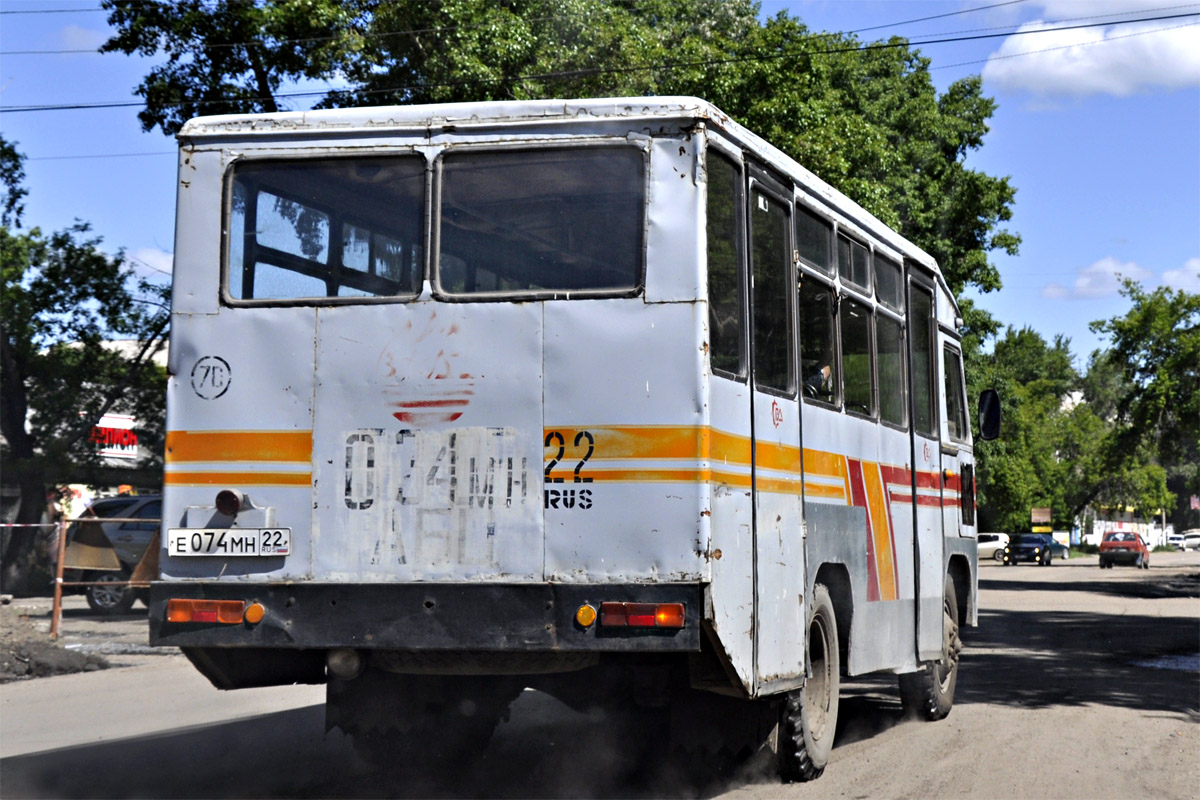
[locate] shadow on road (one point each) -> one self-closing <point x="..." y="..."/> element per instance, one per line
<point x="545" y="751"/>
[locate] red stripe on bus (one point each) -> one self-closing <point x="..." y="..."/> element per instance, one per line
<point x="858" y="497"/>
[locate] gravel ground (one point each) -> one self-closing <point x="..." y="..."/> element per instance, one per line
<point x="87" y="641"/>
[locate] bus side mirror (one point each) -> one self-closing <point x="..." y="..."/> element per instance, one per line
<point x="989" y="414"/>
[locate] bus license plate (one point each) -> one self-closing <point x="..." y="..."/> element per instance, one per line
<point x="229" y="541"/>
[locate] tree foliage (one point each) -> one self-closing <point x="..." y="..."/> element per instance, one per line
<point x="62" y="300"/>
<point x="1156" y="405"/>
<point x="867" y="120"/>
<point x="1065" y="445"/>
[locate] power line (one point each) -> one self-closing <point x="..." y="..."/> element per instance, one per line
<point x="103" y="155"/>
<point x="1065" y="46"/>
<point x="50" y="11"/>
<point x="447" y="28"/>
<point x="577" y="73"/>
<point x="938" y="16"/>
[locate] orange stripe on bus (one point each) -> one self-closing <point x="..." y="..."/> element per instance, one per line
<point x="217" y="446"/>
<point x="880" y="531"/>
<point x="238" y="478"/>
<point x="654" y="442"/>
<point x="661" y="476"/>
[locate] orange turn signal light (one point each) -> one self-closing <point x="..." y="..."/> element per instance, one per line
<point x="585" y="615"/>
<point x="641" y="615"/>
<point x="225" y="612"/>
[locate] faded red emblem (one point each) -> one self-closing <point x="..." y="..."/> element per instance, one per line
<point x="776" y="413"/>
<point x="418" y="378"/>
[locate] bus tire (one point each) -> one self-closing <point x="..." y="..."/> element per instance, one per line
<point x="929" y="692"/>
<point x="809" y="716"/>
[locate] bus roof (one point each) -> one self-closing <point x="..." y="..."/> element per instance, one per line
<point x="375" y="120"/>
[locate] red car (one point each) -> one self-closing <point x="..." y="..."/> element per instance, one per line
<point x="1124" y="547"/>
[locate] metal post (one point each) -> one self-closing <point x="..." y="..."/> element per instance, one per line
<point x="56" y="612"/>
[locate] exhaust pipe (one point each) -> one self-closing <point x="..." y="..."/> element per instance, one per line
<point x="344" y="663"/>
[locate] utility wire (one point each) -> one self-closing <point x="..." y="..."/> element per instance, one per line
<point x="1065" y="46"/>
<point x="446" y="28"/>
<point x="937" y="16"/>
<point x="590" y="71"/>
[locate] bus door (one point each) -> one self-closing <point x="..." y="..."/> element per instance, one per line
<point x="928" y="545"/>
<point x="775" y="422"/>
<point x="958" y="463"/>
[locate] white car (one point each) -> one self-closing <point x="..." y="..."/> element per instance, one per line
<point x="991" y="545"/>
<point x="1191" y="539"/>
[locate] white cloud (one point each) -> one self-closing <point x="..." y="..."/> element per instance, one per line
<point x="1186" y="277"/>
<point x="1117" y="60"/>
<point x="1102" y="279"/>
<point x="150" y="262"/>
<point x="74" y="37"/>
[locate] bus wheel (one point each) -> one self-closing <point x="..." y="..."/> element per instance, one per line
<point x="929" y="692"/>
<point x="809" y="716"/>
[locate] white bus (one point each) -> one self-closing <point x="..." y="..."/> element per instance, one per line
<point x="609" y="398"/>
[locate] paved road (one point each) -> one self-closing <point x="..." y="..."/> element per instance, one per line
<point x="1079" y="683"/>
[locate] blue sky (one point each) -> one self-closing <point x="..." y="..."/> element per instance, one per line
<point x="1099" y="130"/>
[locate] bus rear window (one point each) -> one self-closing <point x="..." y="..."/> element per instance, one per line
<point x="306" y="229"/>
<point x="541" y="222"/>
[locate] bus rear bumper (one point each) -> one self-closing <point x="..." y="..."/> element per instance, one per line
<point x="477" y="617"/>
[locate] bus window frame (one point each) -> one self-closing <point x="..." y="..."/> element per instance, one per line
<point x="873" y="413"/>
<point x="227" y="181"/>
<point x="759" y="179"/>
<point x="865" y="242"/>
<point x="898" y="263"/>
<point x="435" y="216"/>
<point x="803" y="206"/>
<point x="901" y="320"/>
<point x="807" y="273"/>
<point x="926" y="282"/>
<point x="953" y="345"/>
<point x="735" y="157"/>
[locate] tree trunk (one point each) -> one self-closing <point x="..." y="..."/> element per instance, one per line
<point x="21" y="572"/>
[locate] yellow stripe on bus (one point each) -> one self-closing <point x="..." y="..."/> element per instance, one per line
<point x="237" y="478"/>
<point x="218" y="446"/>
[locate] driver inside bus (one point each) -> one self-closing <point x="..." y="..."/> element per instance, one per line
<point x="820" y="383"/>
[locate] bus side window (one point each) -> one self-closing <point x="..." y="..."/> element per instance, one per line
<point x="854" y="263"/>
<point x="726" y="283"/>
<point x="888" y="286"/>
<point x="771" y="257"/>
<point x="818" y="343"/>
<point x="956" y="405"/>
<point x="814" y="237"/>
<point x="859" y="377"/>
<point x="893" y="388"/>
<point x="921" y="330"/>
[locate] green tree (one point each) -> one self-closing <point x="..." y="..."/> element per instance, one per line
<point x="868" y="121"/>
<point x="1156" y="347"/>
<point x="62" y="299"/>
<point x="1062" y="445"/>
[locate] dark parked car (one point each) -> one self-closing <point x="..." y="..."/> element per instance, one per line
<point x="127" y="540"/>
<point x="1124" y="547"/>
<point x="1032" y="547"/>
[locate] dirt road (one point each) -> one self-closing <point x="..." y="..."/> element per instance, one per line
<point x="1079" y="683"/>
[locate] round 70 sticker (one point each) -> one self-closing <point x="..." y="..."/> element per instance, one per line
<point x="211" y="377"/>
